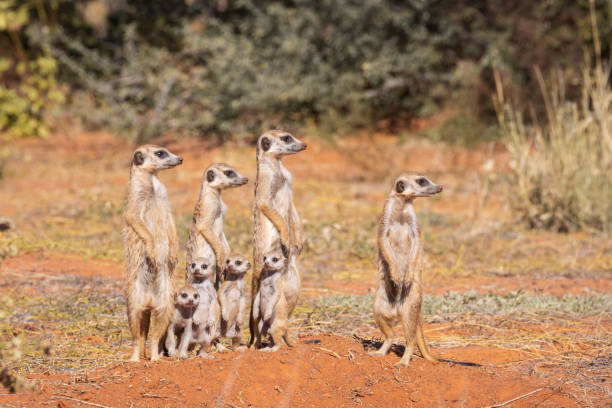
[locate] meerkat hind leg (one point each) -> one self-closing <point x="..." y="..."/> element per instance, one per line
<point x="160" y="320"/>
<point x="387" y="330"/>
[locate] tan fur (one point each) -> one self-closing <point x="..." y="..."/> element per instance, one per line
<point x="207" y="316"/>
<point x="399" y="292"/>
<point x="276" y="219"/>
<point x="231" y="298"/>
<point x="151" y="247"/>
<point x="186" y="301"/>
<point x="206" y="237"/>
<point x="270" y="308"/>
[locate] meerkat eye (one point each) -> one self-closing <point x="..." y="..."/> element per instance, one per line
<point x="230" y="173"/>
<point x="204" y="266"/>
<point x="238" y="263"/>
<point x="161" y="154"/>
<point x="193" y="265"/>
<point x="287" y="139"/>
<point x="227" y="262"/>
<point x="196" y="296"/>
<point x="184" y="295"/>
<point x="265" y="258"/>
<point x="275" y="259"/>
<point x="422" y="182"/>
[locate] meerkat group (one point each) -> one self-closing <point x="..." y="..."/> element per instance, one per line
<point x="210" y="305"/>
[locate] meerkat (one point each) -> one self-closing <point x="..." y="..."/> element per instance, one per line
<point x="231" y="298"/>
<point x="399" y="292"/>
<point x="206" y="317"/>
<point x="186" y="301"/>
<point x="270" y="306"/>
<point x="206" y="237"/>
<point x="151" y="247"/>
<point x="276" y="219"/>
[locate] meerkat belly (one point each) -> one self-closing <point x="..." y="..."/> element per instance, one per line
<point x="157" y="220"/>
<point x="400" y="244"/>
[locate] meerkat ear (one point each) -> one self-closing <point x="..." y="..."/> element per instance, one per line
<point x="210" y="175"/>
<point x="265" y="144"/>
<point x="400" y="186"/>
<point x="138" y="158"/>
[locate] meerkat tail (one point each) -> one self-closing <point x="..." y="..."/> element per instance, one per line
<point x="420" y="339"/>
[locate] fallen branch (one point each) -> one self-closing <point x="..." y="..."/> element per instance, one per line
<point x="514" y="399"/>
<point x="93" y="404"/>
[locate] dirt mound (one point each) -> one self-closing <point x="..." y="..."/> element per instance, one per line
<point x="327" y="371"/>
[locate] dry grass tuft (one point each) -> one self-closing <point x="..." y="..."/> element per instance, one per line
<point x="562" y="169"/>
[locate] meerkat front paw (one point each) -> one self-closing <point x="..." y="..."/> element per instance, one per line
<point x="270" y="349"/>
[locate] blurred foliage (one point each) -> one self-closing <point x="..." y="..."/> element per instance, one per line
<point x="220" y="67"/>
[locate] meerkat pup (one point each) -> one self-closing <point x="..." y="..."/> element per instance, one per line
<point x="399" y="292"/>
<point x="206" y="237"/>
<point x="231" y="298"/>
<point x="270" y="306"/>
<point x="275" y="216"/>
<point x="201" y="275"/>
<point x="185" y="302"/>
<point x="151" y="247"/>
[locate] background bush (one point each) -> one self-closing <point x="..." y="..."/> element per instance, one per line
<point x="230" y="67"/>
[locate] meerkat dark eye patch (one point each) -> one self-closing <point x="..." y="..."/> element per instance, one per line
<point x="196" y="296"/>
<point x="210" y="175"/>
<point x="230" y="173"/>
<point x="193" y="265"/>
<point x="138" y="158"/>
<point x="265" y="258"/>
<point x="238" y="263"/>
<point x="161" y="154"/>
<point x="184" y="295"/>
<point x="204" y="266"/>
<point x="265" y="144"/>
<point x="422" y="182"/>
<point x="400" y="186"/>
<point x="275" y="259"/>
<point x="287" y="139"/>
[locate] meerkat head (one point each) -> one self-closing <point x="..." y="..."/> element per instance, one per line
<point x="222" y="176"/>
<point x="274" y="260"/>
<point x="412" y="185"/>
<point x="237" y="265"/>
<point x="187" y="296"/>
<point x="277" y="143"/>
<point x="201" y="268"/>
<point x="152" y="158"/>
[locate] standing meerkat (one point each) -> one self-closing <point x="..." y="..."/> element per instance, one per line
<point x="151" y="249"/>
<point x="185" y="302"/>
<point x="270" y="307"/>
<point x="231" y="297"/>
<point x="276" y="219"/>
<point x="206" y="237"/>
<point x="206" y="318"/>
<point x="399" y="292"/>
